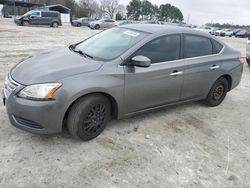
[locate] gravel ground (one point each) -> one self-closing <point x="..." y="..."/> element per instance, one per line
<point x="187" y="145"/>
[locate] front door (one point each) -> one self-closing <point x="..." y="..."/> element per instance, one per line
<point x="160" y="83"/>
<point x="35" y="18"/>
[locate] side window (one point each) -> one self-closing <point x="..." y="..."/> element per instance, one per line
<point x="35" y="14"/>
<point x="45" y="14"/>
<point x="162" y="49"/>
<point x="217" y="47"/>
<point x="195" y="46"/>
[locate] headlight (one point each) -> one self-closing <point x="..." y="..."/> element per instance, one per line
<point x="39" y="91"/>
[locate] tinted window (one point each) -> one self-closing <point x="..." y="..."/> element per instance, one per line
<point x="162" y="49"/>
<point x="217" y="47"/>
<point x="196" y="46"/>
<point x="109" y="21"/>
<point x="49" y="14"/>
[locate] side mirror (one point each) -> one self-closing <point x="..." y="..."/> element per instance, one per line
<point x="140" y="61"/>
<point x="32" y="17"/>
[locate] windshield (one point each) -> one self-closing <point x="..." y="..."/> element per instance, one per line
<point x="110" y="44"/>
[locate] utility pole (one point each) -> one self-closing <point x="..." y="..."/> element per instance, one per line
<point x="14" y="7"/>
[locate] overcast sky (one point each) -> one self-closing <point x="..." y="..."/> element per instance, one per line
<point x="203" y="11"/>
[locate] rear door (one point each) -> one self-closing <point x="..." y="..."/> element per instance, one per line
<point x="160" y="83"/>
<point x="46" y="18"/>
<point x="202" y="66"/>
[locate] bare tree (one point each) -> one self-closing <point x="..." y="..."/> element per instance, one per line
<point x="109" y="7"/>
<point x="91" y="6"/>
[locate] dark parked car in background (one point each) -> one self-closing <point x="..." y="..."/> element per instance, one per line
<point x="242" y="34"/>
<point x="82" y="22"/>
<point x="117" y="73"/>
<point x="39" y="17"/>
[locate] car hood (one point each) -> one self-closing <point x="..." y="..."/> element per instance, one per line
<point x="51" y="66"/>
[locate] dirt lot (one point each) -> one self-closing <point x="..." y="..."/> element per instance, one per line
<point x="188" y="145"/>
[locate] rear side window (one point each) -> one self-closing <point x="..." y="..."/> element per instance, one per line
<point x="196" y="46"/>
<point x="166" y="48"/>
<point x="217" y="47"/>
<point x="49" y="14"/>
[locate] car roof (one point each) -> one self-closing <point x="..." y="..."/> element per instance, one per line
<point x="168" y="29"/>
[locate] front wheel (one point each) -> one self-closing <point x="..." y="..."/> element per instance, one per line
<point x="88" y="117"/>
<point x="217" y="93"/>
<point x="97" y="27"/>
<point x="25" y="23"/>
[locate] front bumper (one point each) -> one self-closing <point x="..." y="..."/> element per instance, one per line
<point x="39" y="117"/>
<point x="17" y="21"/>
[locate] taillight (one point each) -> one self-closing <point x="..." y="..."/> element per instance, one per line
<point x="242" y="59"/>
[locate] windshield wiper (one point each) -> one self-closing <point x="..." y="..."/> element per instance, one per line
<point x="72" y="47"/>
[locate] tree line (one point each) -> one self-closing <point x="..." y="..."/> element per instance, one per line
<point x="138" y="9"/>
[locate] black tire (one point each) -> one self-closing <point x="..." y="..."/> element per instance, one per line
<point x="217" y="93"/>
<point x="78" y="25"/>
<point x="248" y="61"/>
<point x="88" y="117"/>
<point x="55" y="24"/>
<point x="97" y="27"/>
<point x="25" y="23"/>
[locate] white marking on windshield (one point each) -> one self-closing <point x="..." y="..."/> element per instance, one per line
<point x="131" y="33"/>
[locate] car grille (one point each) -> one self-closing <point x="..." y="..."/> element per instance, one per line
<point x="10" y="85"/>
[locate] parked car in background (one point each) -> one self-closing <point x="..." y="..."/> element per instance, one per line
<point x="39" y="17"/>
<point x="204" y="29"/>
<point x="228" y="32"/>
<point x="117" y="73"/>
<point x="248" y="51"/>
<point x="235" y="31"/>
<point x="242" y="34"/>
<point x="102" y="24"/>
<point x="220" y="33"/>
<point x="82" y="21"/>
<point x="123" y="22"/>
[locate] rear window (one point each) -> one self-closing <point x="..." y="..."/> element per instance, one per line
<point x="217" y="47"/>
<point x="196" y="46"/>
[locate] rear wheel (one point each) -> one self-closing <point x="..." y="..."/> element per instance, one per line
<point x="88" y="117"/>
<point x="55" y="24"/>
<point x="217" y="93"/>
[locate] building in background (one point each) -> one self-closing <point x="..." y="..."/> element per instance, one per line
<point x="64" y="11"/>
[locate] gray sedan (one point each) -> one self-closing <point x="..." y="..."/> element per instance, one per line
<point x="117" y="73"/>
<point x="102" y="24"/>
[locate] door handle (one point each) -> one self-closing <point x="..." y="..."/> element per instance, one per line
<point x="176" y="73"/>
<point x="214" y="67"/>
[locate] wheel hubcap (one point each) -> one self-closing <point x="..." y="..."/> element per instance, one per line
<point x="218" y="92"/>
<point x="95" y="119"/>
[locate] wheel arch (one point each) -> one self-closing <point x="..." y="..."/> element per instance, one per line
<point x="229" y="80"/>
<point x="113" y="102"/>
